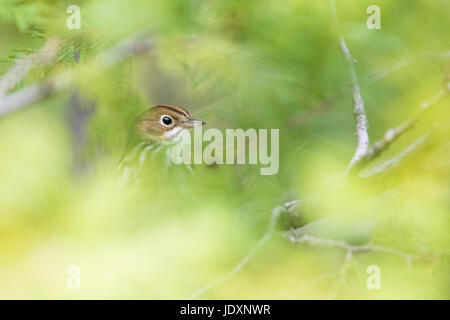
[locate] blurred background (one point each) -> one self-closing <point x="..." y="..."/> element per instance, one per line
<point x="235" y="64"/>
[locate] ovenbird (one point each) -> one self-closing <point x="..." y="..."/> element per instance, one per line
<point x="153" y="130"/>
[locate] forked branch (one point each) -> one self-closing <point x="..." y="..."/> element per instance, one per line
<point x="348" y="248"/>
<point x="391" y="135"/>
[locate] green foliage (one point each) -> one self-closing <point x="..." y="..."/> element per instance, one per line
<point x="235" y="64"/>
<point x="24" y="14"/>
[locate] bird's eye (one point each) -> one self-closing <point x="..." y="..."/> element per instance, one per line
<point x="166" y="120"/>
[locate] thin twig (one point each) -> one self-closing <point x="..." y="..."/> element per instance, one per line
<point x="22" y="66"/>
<point x="393" y="162"/>
<point x="382" y="73"/>
<point x="393" y="134"/>
<point x="349" y="249"/>
<point x="358" y="103"/>
<point x="275" y="213"/>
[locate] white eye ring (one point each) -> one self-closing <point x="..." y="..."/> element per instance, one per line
<point x="166" y="120"/>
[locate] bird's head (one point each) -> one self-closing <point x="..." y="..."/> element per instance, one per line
<point x="164" y="123"/>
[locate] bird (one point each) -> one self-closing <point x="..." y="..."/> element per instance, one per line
<point x="157" y="128"/>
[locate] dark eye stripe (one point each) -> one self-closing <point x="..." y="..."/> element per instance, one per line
<point x="176" y="109"/>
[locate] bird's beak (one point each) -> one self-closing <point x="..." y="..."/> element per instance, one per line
<point x="193" y="123"/>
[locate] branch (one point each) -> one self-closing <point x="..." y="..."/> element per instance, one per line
<point x="273" y="219"/>
<point x="33" y="93"/>
<point x="129" y="47"/>
<point x="358" y="102"/>
<point x="392" y="135"/>
<point x="134" y="46"/>
<point x="293" y="236"/>
<point x="385" y="72"/>
<point x="393" y="162"/>
<point x="45" y="55"/>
